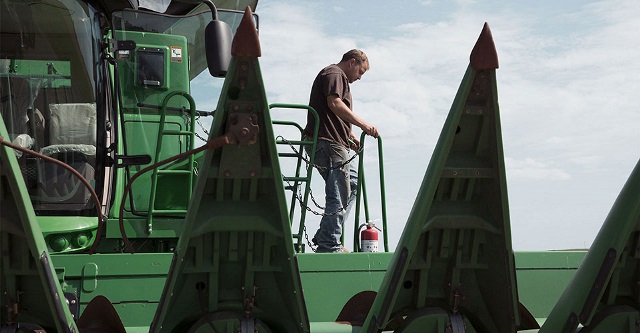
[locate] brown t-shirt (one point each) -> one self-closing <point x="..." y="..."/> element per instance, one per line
<point x="330" y="81"/>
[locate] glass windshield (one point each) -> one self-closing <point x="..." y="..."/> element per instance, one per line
<point x="48" y="95"/>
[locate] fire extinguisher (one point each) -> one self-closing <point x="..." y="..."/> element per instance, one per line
<point x="369" y="238"/>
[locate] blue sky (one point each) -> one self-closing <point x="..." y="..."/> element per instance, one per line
<point x="568" y="84"/>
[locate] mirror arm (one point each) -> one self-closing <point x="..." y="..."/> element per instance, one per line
<point x="214" y="10"/>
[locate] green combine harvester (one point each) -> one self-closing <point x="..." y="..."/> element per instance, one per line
<point x="116" y="215"/>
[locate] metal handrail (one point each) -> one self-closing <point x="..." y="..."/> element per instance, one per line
<point x="309" y="168"/>
<point x="161" y="133"/>
<point x="362" y="191"/>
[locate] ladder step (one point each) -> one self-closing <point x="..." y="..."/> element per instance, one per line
<point x="295" y="143"/>
<point x="167" y="211"/>
<point x="174" y="172"/>
<point x="295" y="179"/>
<point x="288" y="155"/>
<point x="176" y="132"/>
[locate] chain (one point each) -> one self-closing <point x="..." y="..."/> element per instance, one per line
<point x="202" y="128"/>
<point x="298" y="194"/>
<point x="306" y="236"/>
<point x="319" y="167"/>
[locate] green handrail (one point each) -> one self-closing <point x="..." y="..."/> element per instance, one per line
<point x="161" y="133"/>
<point x="297" y="178"/>
<point x="362" y="192"/>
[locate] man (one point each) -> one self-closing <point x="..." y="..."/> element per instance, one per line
<point x="331" y="98"/>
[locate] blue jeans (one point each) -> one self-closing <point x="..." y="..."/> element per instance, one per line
<point x="341" y="185"/>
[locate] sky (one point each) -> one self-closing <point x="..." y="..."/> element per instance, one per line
<point x="568" y="87"/>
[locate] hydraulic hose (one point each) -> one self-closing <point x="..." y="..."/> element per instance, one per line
<point x="213" y="144"/>
<point x="84" y="181"/>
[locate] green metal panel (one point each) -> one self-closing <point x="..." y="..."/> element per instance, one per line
<point x="455" y="253"/>
<point x="604" y="291"/>
<point x="24" y="254"/>
<point x="142" y="129"/>
<point x="543" y="276"/>
<point x="234" y="263"/>
<point x="330" y="280"/>
<point x="173" y="70"/>
<point x="132" y="282"/>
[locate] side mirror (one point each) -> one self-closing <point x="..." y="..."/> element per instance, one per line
<point x="218" y="38"/>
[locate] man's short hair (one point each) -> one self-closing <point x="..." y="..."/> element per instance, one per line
<point x="358" y="55"/>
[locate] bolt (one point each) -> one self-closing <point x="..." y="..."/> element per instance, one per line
<point x="252" y="173"/>
<point x="227" y="173"/>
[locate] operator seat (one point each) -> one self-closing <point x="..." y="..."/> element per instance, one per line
<point x="72" y="140"/>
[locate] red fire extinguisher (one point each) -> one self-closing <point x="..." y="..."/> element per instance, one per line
<point x="369" y="238"/>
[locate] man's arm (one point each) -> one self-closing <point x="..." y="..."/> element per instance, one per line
<point x="341" y="110"/>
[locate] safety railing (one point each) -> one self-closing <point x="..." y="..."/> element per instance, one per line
<point x="186" y="172"/>
<point x="362" y="192"/>
<point x="303" y="173"/>
<point x="293" y="183"/>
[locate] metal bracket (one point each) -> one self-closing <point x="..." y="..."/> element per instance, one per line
<point x="117" y="45"/>
<point x="243" y="128"/>
<point x="249" y="302"/>
<point x="127" y="160"/>
<point x="74" y="304"/>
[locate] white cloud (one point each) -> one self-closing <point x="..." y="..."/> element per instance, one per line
<point x="534" y="170"/>
<point x="567" y="88"/>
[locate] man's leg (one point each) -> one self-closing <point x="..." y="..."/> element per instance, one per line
<point x="337" y="196"/>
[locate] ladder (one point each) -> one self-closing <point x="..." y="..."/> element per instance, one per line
<point x="187" y="171"/>
<point x="294" y="182"/>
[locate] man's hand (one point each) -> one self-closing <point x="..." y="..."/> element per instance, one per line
<point x="354" y="143"/>
<point x="370" y="130"/>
